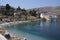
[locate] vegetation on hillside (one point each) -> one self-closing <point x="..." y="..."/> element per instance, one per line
<point x="32" y="13"/>
<point x="25" y="14"/>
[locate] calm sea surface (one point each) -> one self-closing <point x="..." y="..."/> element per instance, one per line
<point x="38" y="30"/>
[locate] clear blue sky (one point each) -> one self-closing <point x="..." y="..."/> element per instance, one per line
<point x="30" y="3"/>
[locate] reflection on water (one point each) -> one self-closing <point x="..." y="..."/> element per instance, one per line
<point x="37" y="30"/>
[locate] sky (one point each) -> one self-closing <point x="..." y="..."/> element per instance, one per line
<point x="27" y="4"/>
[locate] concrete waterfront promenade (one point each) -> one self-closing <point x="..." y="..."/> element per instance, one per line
<point x="2" y="25"/>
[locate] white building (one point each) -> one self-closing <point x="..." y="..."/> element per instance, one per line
<point x="42" y="15"/>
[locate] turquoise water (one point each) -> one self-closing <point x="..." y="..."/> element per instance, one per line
<point x="38" y="30"/>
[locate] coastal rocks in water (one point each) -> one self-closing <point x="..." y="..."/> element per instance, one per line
<point x="7" y="36"/>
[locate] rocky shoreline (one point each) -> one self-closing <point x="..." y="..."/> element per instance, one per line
<point x="9" y="24"/>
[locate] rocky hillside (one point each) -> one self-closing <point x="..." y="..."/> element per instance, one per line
<point x="48" y="9"/>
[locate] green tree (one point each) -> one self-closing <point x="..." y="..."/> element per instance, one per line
<point x="8" y="7"/>
<point x="33" y="13"/>
<point x="23" y="9"/>
<point x="9" y="10"/>
<point x="18" y="8"/>
<point x="39" y="15"/>
<point x="25" y="13"/>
